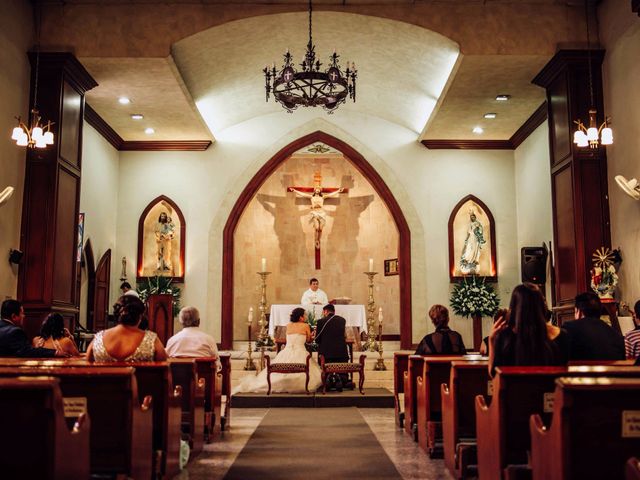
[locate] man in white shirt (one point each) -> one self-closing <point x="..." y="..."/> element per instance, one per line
<point x="314" y="296"/>
<point x="127" y="290"/>
<point x="191" y="341"/>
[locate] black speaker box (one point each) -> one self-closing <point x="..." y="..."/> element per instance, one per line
<point x="534" y="264"/>
<point x="15" y="256"/>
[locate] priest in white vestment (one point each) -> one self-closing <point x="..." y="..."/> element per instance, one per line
<point x="314" y="296"/>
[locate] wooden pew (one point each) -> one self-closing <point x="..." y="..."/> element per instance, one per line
<point x="224" y="375"/>
<point x="400" y="366"/>
<point x="436" y="370"/>
<point x="596" y="428"/>
<point x="185" y="375"/>
<point x="468" y="379"/>
<point x="632" y="470"/>
<point x="415" y="366"/>
<point x="519" y="392"/>
<point x="36" y="441"/>
<point x="121" y="425"/>
<point x="206" y="368"/>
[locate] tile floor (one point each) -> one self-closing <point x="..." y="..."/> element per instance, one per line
<point x="409" y="459"/>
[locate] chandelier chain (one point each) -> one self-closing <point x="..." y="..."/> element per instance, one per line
<point x="310" y="12"/>
<point x="586" y="13"/>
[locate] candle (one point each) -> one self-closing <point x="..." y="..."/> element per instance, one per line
<point x="371" y="264"/>
<point x="250" y="315"/>
<point x="264" y="264"/>
<point x="380" y="315"/>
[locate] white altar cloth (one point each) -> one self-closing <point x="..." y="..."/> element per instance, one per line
<point x="355" y="315"/>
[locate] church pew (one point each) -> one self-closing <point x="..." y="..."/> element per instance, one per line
<point x="206" y="368"/>
<point x="632" y="469"/>
<point x="224" y="375"/>
<point x="185" y="374"/>
<point x="414" y="370"/>
<point x="400" y="365"/>
<point x="436" y="370"/>
<point x="121" y="425"/>
<point x="518" y="392"/>
<point x="468" y="379"/>
<point x="595" y="429"/>
<point x="36" y="440"/>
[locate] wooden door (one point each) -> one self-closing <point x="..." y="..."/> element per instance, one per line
<point x="101" y="292"/>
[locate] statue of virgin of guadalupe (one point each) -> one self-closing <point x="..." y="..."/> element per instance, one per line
<point x="469" y="260"/>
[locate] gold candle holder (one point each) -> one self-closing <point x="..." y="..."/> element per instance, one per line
<point x="249" y="365"/>
<point x="371" y="344"/>
<point x="380" y="362"/>
<point x="263" y="335"/>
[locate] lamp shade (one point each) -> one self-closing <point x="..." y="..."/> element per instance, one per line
<point x="592" y="134"/>
<point x="48" y="138"/>
<point x="17" y="133"/>
<point x="606" y="136"/>
<point x="23" y="141"/>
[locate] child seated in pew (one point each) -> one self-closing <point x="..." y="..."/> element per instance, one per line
<point x="443" y="341"/>
<point x="54" y="335"/>
<point x="523" y="337"/>
<point x="126" y="342"/>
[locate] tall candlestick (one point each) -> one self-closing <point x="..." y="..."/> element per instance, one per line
<point x="264" y="265"/>
<point x="249" y="365"/>
<point x="371" y="264"/>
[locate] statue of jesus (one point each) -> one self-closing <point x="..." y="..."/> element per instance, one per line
<point x="164" y="232"/>
<point x="318" y="214"/>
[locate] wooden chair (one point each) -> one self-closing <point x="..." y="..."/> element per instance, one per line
<point x="287" y="368"/>
<point x="36" y="441"/>
<point x="344" y="368"/>
<point x="632" y="470"/>
<point x="595" y="429"/>
<point x="400" y="366"/>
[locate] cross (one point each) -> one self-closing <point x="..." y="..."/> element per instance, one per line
<point x="317" y="194"/>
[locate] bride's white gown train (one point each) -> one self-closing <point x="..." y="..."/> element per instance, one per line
<point x="293" y="352"/>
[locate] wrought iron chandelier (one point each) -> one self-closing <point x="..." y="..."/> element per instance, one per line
<point x="311" y="87"/>
<point x="593" y="135"/>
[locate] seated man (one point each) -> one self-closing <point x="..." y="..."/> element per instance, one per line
<point x="13" y="340"/>
<point x="330" y="337"/>
<point x="191" y="341"/>
<point x="127" y="290"/>
<point x="314" y="296"/>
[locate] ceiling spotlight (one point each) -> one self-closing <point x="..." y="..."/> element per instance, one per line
<point x="490" y="115"/>
<point x="137" y="116"/>
<point x="478" y="130"/>
<point x="502" y="97"/>
<point x="149" y="131"/>
<point x="124" y="101"/>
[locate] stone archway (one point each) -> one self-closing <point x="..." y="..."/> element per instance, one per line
<point x="404" y="244"/>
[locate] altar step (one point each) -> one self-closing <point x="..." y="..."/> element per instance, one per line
<point x="372" y="398"/>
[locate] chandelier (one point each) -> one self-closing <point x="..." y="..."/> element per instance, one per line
<point x="34" y="134"/>
<point x="592" y="135"/>
<point x="311" y="87"/>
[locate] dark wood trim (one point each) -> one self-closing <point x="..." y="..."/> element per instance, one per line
<point x="391" y="337"/>
<point x="527" y="128"/>
<point x="635" y="6"/>
<point x="102" y="127"/>
<point x="166" y="146"/>
<point x="404" y="244"/>
<point x="492" y="232"/>
<point x="183" y="237"/>
<point x="90" y="266"/>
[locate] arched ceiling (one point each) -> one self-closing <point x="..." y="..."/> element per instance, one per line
<point x="403" y="69"/>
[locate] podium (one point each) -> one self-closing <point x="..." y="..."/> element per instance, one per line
<point x="160" y="315"/>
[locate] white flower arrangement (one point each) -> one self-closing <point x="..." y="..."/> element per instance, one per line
<point x="473" y="297"/>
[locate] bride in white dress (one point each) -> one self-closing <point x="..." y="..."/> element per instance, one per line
<point x="298" y="332"/>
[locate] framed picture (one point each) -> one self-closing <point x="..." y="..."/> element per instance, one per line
<point x="161" y="240"/>
<point x="472" y="241"/>
<point x="80" y="237"/>
<point x="391" y="267"/>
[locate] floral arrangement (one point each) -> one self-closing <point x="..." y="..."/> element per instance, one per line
<point x="163" y="285"/>
<point x="474" y="297"/>
<point x="311" y="318"/>
<point x="603" y="274"/>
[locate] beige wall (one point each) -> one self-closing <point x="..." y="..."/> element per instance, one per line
<point x="15" y="39"/>
<point x="620" y="36"/>
<point x="275" y="225"/>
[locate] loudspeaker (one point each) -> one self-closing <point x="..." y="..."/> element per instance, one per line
<point x="534" y="264"/>
<point x="15" y="256"/>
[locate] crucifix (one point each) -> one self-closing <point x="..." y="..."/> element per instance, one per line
<point x="317" y="195"/>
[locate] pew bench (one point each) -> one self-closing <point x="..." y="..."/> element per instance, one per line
<point x="632" y="469"/>
<point x="400" y="365"/>
<point x="224" y="379"/>
<point x="595" y="429"/>
<point x="342" y="368"/>
<point x="185" y="374"/>
<point x="287" y="369"/>
<point x="206" y="368"/>
<point x="36" y="440"/>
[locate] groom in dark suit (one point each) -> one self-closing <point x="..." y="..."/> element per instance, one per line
<point x="13" y="340"/>
<point x="330" y="337"/>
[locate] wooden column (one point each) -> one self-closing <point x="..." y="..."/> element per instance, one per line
<point x="160" y="315"/>
<point x="578" y="175"/>
<point x="47" y="276"/>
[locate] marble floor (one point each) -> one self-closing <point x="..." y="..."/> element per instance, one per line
<point x="411" y="462"/>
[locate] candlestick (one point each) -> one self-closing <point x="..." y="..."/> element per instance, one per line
<point x="380" y="315"/>
<point x="370" y="344"/>
<point x="249" y="365"/>
<point x="371" y="264"/>
<point x="264" y="265"/>
<point x="263" y="336"/>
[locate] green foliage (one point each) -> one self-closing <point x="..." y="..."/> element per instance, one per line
<point x="473" y="296"/>
<point x="154" y="285"/>
<point x="311" y="318"/>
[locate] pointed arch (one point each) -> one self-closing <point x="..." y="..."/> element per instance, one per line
<point x="381" y="188"/>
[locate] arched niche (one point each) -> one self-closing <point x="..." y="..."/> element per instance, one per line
<point x="375" y="180"/>
<point x="149" y="263"/>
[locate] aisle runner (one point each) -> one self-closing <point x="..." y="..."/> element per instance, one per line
<point x="310" y="444"/>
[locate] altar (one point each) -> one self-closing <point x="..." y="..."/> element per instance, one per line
<point x="355" y="315"/>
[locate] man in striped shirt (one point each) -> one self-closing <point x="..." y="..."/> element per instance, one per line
<point x="632" y="338"/>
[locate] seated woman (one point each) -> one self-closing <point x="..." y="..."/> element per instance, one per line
<point x="298" y="333"/>
<point x="484" y="346"/>
<point x="443" y="341"/>
<point x="126" y="342"/>
<point x="54" y="335"/>
<point x="523" y="337"/>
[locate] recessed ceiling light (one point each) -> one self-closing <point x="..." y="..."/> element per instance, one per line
<point x="137" y="116"/>
<point x="149" y="131"/>
<point x="503" y="97"/>
<point x="478" y="130"/>
<point x="124" y="100"/>
<point x="490" y="115"/>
